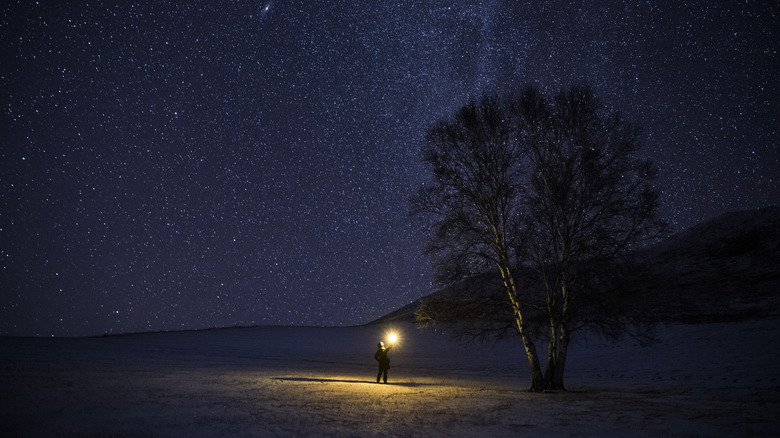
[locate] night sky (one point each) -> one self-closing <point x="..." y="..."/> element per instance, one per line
<point x="182" y="165"/>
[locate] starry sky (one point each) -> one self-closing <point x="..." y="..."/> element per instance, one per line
<point x="181" y="165"/>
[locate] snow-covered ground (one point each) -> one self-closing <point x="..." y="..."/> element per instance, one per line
<point x="699" y="380"/>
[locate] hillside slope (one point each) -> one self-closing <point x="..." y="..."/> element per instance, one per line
<point x="727" y="268"/>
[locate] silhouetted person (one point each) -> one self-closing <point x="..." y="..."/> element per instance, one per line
<point x="384" y="361"/>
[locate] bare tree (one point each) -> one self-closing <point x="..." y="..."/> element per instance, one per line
<point x="589" y="200"/>
<point x="525" y="183"/>
<point x="473" y="198"/>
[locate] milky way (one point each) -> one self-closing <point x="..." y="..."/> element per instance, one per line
<point x="173" y="165"/>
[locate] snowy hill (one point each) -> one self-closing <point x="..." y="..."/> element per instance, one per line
<point x="724" y="269"/>
<point x="727" y="268"/>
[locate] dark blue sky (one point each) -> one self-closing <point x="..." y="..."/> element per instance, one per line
<point x="178" y="165"/>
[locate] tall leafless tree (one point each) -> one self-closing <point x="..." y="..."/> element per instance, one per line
<point x="474" y="199"/>
<point x="555" y="186"/>
<point x="589" y="199"/>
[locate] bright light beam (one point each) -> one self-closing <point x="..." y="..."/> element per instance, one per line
<point x="392" y="337"/>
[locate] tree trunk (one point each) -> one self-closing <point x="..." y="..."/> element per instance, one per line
<point x="537" y="378"/>
<point x="552" y="349"/>
<point x="556" y="377"/>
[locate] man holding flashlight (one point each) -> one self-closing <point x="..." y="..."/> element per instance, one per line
<point x="384" y="361"/>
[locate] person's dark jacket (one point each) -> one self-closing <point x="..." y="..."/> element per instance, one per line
<point x="381" y="356"/>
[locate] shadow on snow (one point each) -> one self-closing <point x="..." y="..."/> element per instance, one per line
<point x="325" y="380"/>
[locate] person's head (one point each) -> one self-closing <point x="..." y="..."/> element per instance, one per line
<point x="380" y="345"/>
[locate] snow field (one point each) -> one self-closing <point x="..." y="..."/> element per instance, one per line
<point x="698" y="380"/>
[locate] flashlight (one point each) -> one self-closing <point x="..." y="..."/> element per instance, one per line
<point x="392" y="337"/>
